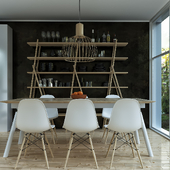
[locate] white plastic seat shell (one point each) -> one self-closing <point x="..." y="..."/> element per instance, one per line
<point x="106" y="112"/>
<point x="32" y="116"/>
<point x="52" y="112"/>
<point x="125" y="116"/>
<point x="80" y="116"/>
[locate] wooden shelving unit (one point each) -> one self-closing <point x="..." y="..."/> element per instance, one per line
<point x="112" y="74"/>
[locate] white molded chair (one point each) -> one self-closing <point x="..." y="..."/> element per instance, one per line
<point x="32" y="118"/>
<point x="125" y="118"/>
<point x="106" y="114"/>
<point x="80" y="118"/>
<point x="52" y="114"/>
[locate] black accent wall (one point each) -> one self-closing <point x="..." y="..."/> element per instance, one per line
<point x="137" y="65"/>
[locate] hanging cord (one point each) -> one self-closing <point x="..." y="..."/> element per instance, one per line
<point x="79" y="12"/>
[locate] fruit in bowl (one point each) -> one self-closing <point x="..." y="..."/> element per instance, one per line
<point x="78" y="95"/>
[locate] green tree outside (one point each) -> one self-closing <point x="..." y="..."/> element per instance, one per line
<point x="165" y="91"/>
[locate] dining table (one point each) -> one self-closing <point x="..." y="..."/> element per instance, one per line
<point x="62" y="103"/>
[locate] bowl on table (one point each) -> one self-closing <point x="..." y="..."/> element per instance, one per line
<point x="83" y="96"/>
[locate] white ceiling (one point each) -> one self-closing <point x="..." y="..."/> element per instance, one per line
<point x="68" y="10"/>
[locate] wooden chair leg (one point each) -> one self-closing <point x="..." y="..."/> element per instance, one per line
<point x="104" y="132"/>
<point x="94" y="155"/>
<point x="48" y="145"/>
<point x="114" y="148"/>
<point x="110" y="143"/>
<point x="19" y="155"/>
<point x="131" y="145"/>
<point x="125" y="137"/>
<point x="55" y="130"/>
<point x="104" y="122"/>
<point x="137" y="151"/>
<point x="45" y="154"/>
<point x="68" y="153"/>
<point x="106" y="135"/>
<point x="27" y="145"/>
<point x="52" y="135"/>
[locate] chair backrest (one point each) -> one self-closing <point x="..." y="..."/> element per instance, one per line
<point x="80" y="116"/>
<point x="32" y="116"/>
<point x="52" y="112"/>
<point x="106" y="112"/>
<point x="125" y="116"/>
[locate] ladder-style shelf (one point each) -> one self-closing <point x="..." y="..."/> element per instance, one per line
<point x="112" y="74"/>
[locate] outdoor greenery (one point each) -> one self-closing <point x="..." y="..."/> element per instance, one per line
<point x="165" y="91"/>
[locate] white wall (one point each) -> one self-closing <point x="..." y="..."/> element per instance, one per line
<point x="6" y="82"/>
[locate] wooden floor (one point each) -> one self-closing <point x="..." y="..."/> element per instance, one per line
<point x="82" y="158"/>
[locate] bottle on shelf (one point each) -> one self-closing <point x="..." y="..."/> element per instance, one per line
<point x="108" y="37"/>
<point x="104" y="37"/>
<point x="81" y="82"/>
<point x="98" y="36"/>
<point x="92" y="37"/>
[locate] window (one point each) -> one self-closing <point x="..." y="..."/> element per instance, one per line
<point x="159" y="73"/>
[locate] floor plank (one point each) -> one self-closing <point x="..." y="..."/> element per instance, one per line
<point x="82" y="158"/>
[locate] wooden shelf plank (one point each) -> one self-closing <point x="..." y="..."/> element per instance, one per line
<point x="99" y="87"/>
<point x="59" y="44"/>
<point x="63" y="58"/>
<point x="77" y="72"/>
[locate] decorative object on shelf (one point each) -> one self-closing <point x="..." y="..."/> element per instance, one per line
<point x="104" y="37"/>
<point x="82" y="68"/>
<point x="56" y="83"/>
<point x="75" y="84"/>
<point x="43" y="66"/>
<point x="105" y="84"/>
<point x="87" y="83"/>
<point x="102" y="53"/>
<point x="44" y="82"/>
<point x="40" y="83"/>
<point x="65" y="39"/>
<point x="43" y="54"/>
<point x="108" y="37"/>
<point x="59" y="53"/>
<point x="67" y="84"/>
<point x="50" y="66"/>
<point x="60" y="84"/>
<point x="48" y="36"/>
<point x="65" y="69"/>
<point x="52" y="53"/>
<point x="114" y="37"/>
<point x="98" y="36"/>
<point x="50" y="82"/>
<point x="90" y="83"/>
<point x="92" y="37"/>
<point x="43" y="35"/>
<point x="99" y="67"/>
<point x="58" y="36"/>
<point x="81" y="81"/>
<point x="53" y="36"/>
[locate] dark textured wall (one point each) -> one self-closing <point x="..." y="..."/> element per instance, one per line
<point x="137" y="65"/>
